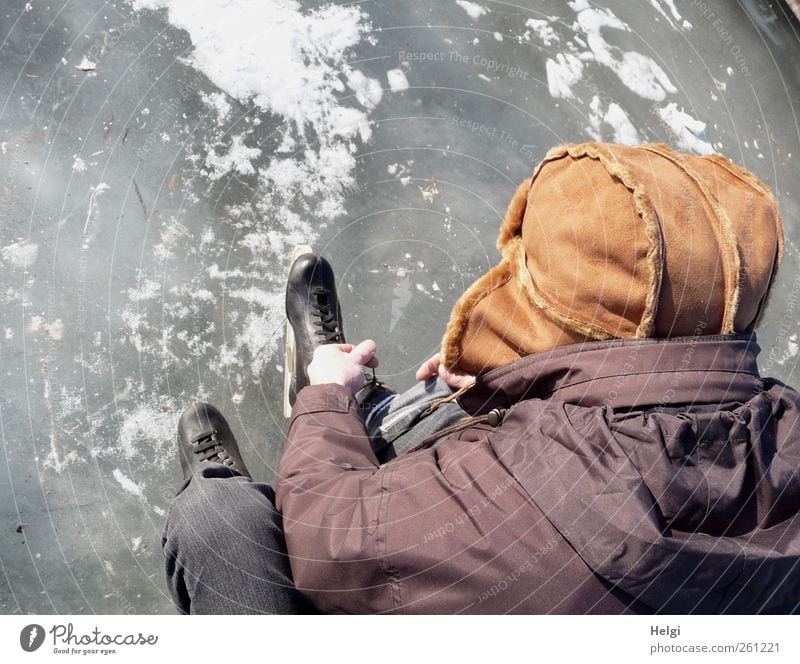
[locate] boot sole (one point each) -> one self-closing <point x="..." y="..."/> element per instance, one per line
<point x="290" y="347"/>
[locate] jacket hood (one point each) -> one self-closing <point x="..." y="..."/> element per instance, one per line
<point x="677" y="498"/>
<point x="609" y="241"/>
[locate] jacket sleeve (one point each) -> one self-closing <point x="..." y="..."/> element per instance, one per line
<point x="331" y="491"/>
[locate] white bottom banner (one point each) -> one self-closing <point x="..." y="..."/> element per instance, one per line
<point x="399" y="639"/>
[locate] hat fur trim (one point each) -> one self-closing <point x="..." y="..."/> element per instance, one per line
<point x="462" y="311"/>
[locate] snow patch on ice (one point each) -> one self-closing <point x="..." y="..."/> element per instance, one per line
<point x="217" y="102"/>
<point x="689" y="133"/>
<point x="54" y="329"/>
<point x="368" y="90"/>
<point x="474" y="10"/>
<point x="289" y="67"/>
<point x="562" y="73"/>
<point x="640" y="73"/>
<point x="793" y="346"/>
<point x="237" y="158"/>
<point x="670" y="12"/>
<point x="147" y="431"/>
<point x="622" y="128"/>
<point x="21" y="254"/>
<point x="272" y="53"/>
<point x="397" y="80"/>
<point x="543" y="30"/>
<point x="292" y="63"/>
<point x="262" y="323"/>
<point x="86" y="65"/>
<point x="791" y="351"/>
<point x="146" y="289"/>
<point x="129" y="486"/>
<point x="624" y="131"/>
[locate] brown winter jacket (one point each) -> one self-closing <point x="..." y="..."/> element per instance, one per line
<point x="626" y="475"/>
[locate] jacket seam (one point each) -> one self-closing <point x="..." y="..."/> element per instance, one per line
<point x="568" y="350"/>
<point x="382" y="539"/>
<point x="705" y="371"/>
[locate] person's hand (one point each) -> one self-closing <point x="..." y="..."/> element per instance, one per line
<point x="434" y="366"/>
<point x="342" y="364"/>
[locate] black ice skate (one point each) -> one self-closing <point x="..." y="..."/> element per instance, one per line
<point x="313" y="317"/>
<point x="205" y="437"/>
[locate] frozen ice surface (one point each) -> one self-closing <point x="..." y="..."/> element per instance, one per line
<point x="158" y="164"/>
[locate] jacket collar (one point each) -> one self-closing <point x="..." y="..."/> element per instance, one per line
<point x="626" y="373"/>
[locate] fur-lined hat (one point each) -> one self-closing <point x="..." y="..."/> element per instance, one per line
<point x="610" y="241"/>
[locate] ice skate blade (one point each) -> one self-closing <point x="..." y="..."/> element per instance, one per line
<point x="299" y="250"/>
<point x="288" y="369"/>
<point x="290" y="348"/>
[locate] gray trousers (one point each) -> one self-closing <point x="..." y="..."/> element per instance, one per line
<point x="223" y="540"/>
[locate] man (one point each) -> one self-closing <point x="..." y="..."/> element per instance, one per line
<point x="617" y="450"/>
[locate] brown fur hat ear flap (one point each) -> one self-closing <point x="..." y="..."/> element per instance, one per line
<point x="514" y="215"/>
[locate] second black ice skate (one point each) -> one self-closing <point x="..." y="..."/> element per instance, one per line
<point x="313" y="315"/>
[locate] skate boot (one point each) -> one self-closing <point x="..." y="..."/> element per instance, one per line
<point x="313" y="318"/>
<point x="205" y="437"/>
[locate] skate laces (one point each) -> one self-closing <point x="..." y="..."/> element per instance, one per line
<point x="328" y="323"/>
<point x="207" y="446"/>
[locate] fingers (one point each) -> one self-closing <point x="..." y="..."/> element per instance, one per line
<point x="446" y="375"/>
<point x="327" y="349"/>
<point x="454" y="380"/>
<point x="364" y="352"/>
<point x="428" y="368"/>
